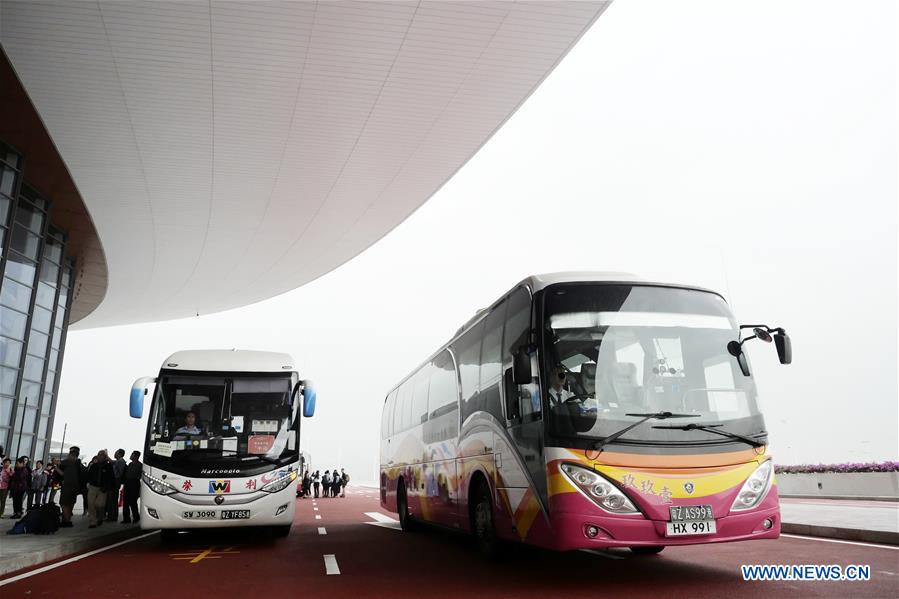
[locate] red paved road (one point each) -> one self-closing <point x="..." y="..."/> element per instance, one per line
<point x="377" y="561"/>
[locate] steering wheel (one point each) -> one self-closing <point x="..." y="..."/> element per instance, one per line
<point x="578" y="397"/>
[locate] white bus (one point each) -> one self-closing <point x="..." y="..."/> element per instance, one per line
<point x="223" y="440"/>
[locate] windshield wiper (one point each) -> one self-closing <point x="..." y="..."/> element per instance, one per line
<point x="643" y="418"/>
<point x="713" y="428"/>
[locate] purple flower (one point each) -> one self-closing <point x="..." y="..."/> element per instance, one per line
<point x="888" y="466"/>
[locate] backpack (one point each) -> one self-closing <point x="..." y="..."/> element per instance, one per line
<point x="49" y="520"/>
<point x="30" y="521"/>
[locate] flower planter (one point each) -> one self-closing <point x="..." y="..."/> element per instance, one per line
<point x="840" y="484"/>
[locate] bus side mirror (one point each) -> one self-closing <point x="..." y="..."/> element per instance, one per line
<point x="521" y="367"/>
<point x="138" y="391"/>
<point x="784" y="347"/>
<point x="309" y="396"/>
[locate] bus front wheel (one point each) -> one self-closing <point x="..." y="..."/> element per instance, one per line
<point x="168" y="535"/>
<point x="484" y="529"/>
<point x="651" y="550"/>
<point x="407" y="524"/>
<point x="281" y="531"/>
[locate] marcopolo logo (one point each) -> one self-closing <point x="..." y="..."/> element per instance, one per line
<point x="219" y="486"/>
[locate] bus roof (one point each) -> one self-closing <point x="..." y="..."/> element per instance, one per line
<point x="230" y="360"/>
<point x="538" y="282"/>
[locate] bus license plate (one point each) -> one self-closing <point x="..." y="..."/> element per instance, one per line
<point x="677" y="529"/>
<point x="235" y="514"/>
<point x="199" y="515"/>
<point x="690" y="513"/>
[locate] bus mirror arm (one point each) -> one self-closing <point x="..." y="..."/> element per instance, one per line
<point x="767" y="334"/>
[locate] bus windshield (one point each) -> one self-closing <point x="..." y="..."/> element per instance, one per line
<point x="245" y="419"/>
<point x="614" y="350"/>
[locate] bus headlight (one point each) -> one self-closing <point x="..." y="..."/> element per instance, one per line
<point x="280" y="483"/>
<point x="754" y="489"/>
<point x="158" y="485"/>
<point x="599" y="489"/>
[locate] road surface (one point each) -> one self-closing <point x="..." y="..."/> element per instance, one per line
<point x="353" y="549"/>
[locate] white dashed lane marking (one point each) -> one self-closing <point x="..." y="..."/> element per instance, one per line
<point x="317" y="517"/>
<point x="383" y="520"/>
<point x="331" y="566"/>
<point x="322" y="531"/>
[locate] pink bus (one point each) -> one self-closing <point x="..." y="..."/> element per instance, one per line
<point x="586" y="410"/>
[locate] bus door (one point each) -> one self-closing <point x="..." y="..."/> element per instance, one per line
<point x="520" y="467"/>
<point x="523" y="463"/>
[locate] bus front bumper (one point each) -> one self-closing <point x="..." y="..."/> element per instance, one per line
<point x="166" y="512"/>
<point x="637" y="531"/>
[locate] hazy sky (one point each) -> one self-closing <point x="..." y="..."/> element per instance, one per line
<point x="749" y="147"/>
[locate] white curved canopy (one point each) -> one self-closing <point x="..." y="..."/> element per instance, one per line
<point x="231" y="151"/>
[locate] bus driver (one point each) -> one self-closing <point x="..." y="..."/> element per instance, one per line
<point x="190" y="425"/>
<point x="558" y="394"/>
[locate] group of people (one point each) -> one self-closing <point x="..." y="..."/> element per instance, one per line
<point x="20" y="481"/>
<point x="331" y="484"/>
<point x="99" y="484"/>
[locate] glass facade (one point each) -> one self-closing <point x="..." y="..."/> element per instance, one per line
<point x="36" y="278"/>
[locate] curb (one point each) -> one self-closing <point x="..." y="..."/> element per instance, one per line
<point x="847" y="534"/>
<point x="25" y="560"/>
<point x="843" y="497"/>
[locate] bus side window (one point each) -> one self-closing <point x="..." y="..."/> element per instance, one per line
<point x="402" y="411"/>
<point x="420" y="395"/>
<point x="468" y="349"/>
<point x="387" y="415"/>
<point x="443" y="401"/>
<point x="491" y="363"/>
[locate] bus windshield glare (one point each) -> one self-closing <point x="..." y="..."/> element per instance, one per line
<point x="224" y="419"/>
<point x="614" y="350"/>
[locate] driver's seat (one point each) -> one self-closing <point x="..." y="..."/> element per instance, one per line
<point x="588" y="378"/>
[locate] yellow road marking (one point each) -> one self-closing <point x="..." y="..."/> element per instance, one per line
<point x="197" y="556"/>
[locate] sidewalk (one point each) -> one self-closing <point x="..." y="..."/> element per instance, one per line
<point x="25" y="551"/>
<point x="848" y="519"/>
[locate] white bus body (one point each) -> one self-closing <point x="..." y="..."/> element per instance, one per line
<point x="223" y="440"/>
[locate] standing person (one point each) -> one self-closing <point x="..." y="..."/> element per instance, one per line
<point x="344" y="481"/>
<point x="70" y="487"/>
<point x="112" y="498"/>
<point x="307" y="484"/>
<point x="326" y="484"/>
<point x="84" y="503"/>
<point x="37" y="486"/>
<point x="54" y="480"/>
<point x="131" y="479"/>
<point x="5" y="476"/>
<point x="316" y="483"/>
<point x="336" y="481"/>
<point x="99" y="482"/>
<point x="19" y="484"/>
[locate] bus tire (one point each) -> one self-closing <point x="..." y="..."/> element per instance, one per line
<point x="650" y="550"/>
<point x="483" y="524"/>
<point x="168" y="535"/>
<point x="407" y="522"/>
<point x="281" y="531"/>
